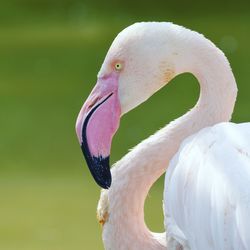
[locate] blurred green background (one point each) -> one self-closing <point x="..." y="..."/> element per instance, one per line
<point x="50" y="53"/>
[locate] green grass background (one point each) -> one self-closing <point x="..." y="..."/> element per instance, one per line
<point x="50" y="53"/>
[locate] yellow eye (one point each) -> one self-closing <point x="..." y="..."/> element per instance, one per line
<point x="118" y="66"/>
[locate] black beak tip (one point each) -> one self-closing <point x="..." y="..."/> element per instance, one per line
<point x="99" y="168"/>
<point x="104" y="183"/>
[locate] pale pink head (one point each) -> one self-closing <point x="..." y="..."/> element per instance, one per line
<point x="135" y="67"/>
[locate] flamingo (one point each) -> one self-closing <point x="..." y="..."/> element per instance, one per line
<point x="207" y="184"/>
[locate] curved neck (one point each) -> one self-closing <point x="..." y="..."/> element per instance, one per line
<point x="135" y="173"/>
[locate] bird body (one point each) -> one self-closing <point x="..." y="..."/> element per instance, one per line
<point x="207" y="191"/>
<point x="203" y="196"/>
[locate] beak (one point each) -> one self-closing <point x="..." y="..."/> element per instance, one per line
<point x="96" y="124"/>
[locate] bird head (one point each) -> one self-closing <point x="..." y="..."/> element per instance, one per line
<point x="139" y="62"/>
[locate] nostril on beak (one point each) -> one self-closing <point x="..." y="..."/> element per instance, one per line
<point x="93" y="102"/>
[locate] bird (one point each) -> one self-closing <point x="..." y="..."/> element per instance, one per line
<point x="204" y="156"/>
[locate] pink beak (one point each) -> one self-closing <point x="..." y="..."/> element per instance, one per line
<point x="96" y="124"/>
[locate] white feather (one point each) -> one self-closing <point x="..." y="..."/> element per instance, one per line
<point x="207" y="189"/>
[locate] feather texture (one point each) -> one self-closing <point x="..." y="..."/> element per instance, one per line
<point x="207" y="190"/>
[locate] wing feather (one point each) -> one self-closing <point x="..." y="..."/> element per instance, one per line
<point x="207" y="189"/>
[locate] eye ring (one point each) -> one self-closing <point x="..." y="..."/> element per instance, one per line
<point x="118" y="66"/>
